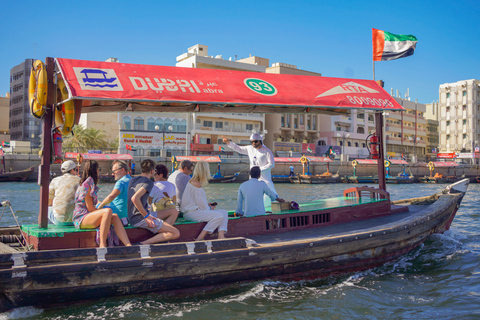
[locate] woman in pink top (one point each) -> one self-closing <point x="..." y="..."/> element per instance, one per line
<point x="85" y="216"/>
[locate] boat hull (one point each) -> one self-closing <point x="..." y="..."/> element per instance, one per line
<point x="16" y="175"/>
<point x="40" y="278"/>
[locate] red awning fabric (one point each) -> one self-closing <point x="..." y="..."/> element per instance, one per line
<point x="106" y="86"/>
<point x="198" y="158"/>
<point x="444" y="164"/>
<point x="99" y="156"/>
<point x="297" y="160"/>
<point x="374" y="161"/>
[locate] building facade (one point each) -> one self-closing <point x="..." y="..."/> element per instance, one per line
<point x="4" y="118"/>
<point x="208" y="129"/>
<point x="459" y="111"/>
<point x="22" y="125"/>
<point x="406" y="131"/>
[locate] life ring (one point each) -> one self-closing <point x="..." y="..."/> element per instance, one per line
<point x="37" y="89"/>
<point x="303" y="160"/>
<point x="354" y="163"/>
<point x="65" y="113"/>
<point x="174" y="162"/>
<point x="431" y="166"/>
<point x="387" y="163"/>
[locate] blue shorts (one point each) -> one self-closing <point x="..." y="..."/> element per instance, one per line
<point x="54" y="220"/>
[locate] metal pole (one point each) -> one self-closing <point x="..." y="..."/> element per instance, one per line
<point x="44" y="170"/>
<point x="382" y="184"/>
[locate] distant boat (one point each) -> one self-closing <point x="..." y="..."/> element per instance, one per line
<point x="21" y="175"/>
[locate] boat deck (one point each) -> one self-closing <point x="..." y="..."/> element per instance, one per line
<point x="401" y="212"/>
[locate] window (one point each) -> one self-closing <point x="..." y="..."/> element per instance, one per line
<point x="207" y="124"/>
<point x="301" y="119"/>
<point x="282" y="121"/>
<point x="183" y="126"/>
<point x="314" y="121"/>
<point x="464" y="136"/>
<point x="127" y="124"/>
<point x="205" y="140"/>
<point x="218" y="125"/>
<point x="349" y="144"/>
<point x="448" y="123"/>
<point x="159" y="123"/>
<point x="464" y="121"/>
<point x="448" y="137"/>
<point x="360" y="130"/>
<point x="288" y="120"/>
<point x="151" y="124"/>
<point x="168" y="123"/>
<point x="176" y="125"/>
<point x="138" y="124"/>
<point x="249" y="126"/>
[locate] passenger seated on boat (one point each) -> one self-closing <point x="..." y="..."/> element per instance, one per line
<point x="180" y="177"/>
<point x="117" y="199"/>
<point x="61" y="195"/>
<point x="250" y="195"/>
<point x="86" y="216"/>
<point x="196" y="208"/>
<point x="163" y="197"/>
<point x="139" y="189"/>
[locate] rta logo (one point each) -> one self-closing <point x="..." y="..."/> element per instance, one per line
<point x="348" y="88"/>
<point x="98" y="79"/>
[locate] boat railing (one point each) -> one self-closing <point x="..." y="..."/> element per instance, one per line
<point x="372" y="193"/>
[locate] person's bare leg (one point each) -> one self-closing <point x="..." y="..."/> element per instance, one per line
<point x="201" y="236"/>
<point x="99" y="218"/>
<point x="168" y="215"/>
<point x="221" y="234"/>
<point x="120" y="230"/>
<point x="166" y="233"/>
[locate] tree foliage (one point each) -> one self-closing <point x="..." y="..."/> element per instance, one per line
<point x="84" y="139"/>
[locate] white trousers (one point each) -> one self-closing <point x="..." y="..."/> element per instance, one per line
<point x="217" y="218"/>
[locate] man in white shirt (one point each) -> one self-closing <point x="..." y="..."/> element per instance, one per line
<point x="260" y="156"/>
<point x="251" y="193"/>
<point x="61" y="195"/>
<point x="181" y="177"/>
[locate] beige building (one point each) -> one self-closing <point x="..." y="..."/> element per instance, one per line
<point x="4" y="118"/>
<point x="406" y="131"/>
<point x="459" y="110"/>
<point x="209" y="128"/>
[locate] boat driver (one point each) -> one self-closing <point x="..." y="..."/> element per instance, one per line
<point x="61" y="195"/>
<point x="260" y="156"/>
<point x="251" y="193"/>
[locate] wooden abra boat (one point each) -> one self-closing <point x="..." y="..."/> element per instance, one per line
<point x="360" y="230"/>
<point x="21" y="175"/>
<point x="316" y="179"/>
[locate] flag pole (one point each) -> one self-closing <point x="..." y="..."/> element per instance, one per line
<point x="373" y="62"/>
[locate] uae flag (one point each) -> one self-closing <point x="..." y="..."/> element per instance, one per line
<point x="309" y="149"/>
<point x="389" y="46"/>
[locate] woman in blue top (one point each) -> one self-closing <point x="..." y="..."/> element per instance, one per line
<point x="85" y="216"/>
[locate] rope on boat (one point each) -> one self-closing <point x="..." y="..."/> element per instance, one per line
<point x="8" y="239"/>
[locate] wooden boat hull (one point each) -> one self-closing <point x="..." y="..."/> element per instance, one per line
<point x="41" y="278"/>
<point x="224" y="179"/>
<point x="400" y="180"/>
<point x="282" y="178"/>
<point x="16" y="175"/>
<point x="360" y="179"/>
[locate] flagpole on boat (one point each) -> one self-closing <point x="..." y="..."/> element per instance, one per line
<point x="47" y="147"/>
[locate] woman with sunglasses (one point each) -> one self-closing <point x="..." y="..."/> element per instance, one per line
<point x="85" y="216"/>
<point x="260" y="156"/>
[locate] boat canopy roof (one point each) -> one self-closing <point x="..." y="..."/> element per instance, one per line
<point x="197" y="158"/>
<point x="374" y="161"/>
<point x="105" y="86"/>
<point x="99" y="156"/>
<point x="444" y="164"/>
<point x="297" y="160"/>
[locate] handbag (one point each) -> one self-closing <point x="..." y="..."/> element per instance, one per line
<point x="164" y="203"/>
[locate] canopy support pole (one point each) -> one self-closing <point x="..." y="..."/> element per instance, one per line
<point x="44" y="170"/>
<point x="382" y="184"/>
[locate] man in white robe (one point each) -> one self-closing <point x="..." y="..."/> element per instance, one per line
<point x="260" y="156"/>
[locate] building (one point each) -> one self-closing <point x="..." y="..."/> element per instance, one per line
<point x="433" y="125"/>
<point x="206" y="130"/>
<point x="459" y="111"/>
<point x="4" y="118"/>
<point x="149" y="133"/>
<point x="406" y="131"/>
<point x="22" y="125"/>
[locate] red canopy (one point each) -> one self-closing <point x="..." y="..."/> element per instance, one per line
<point x="198" y="158"/>
<point x="374" y="161"/>
<point x="106" y="86"/>
<point x="99" y="156"/>
<point x="293" y="160"/>
<point x="444" y="164"/>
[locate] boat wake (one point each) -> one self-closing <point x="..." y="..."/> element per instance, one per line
<point x="21" y="313"/>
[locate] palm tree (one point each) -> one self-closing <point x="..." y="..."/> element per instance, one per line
<point x="84" y="139"/>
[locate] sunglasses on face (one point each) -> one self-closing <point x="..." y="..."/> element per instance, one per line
<point x="255" y="141"/>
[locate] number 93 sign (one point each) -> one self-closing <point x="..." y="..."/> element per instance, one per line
<point x="260" y="86"/>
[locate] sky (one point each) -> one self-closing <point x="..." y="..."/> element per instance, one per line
<point x="332" y="37"/>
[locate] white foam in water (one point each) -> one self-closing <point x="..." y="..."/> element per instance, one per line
<point x="20" y="313"/>
<point x="241" y="297"/>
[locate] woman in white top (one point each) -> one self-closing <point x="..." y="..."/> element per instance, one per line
<point x="161" y="191"/>
<point x="195" y="207"/>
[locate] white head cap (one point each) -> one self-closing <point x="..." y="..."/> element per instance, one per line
<point x="68" y="165"/>
<point x="256" y="136"/>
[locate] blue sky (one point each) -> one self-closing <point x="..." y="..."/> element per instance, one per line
<point x="329" y="37"/>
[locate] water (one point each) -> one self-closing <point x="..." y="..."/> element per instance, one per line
<point x="441" y="279"/>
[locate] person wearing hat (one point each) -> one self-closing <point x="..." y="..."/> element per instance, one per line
<point x="260" y="156"/>
<point x="61" y="195"/>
